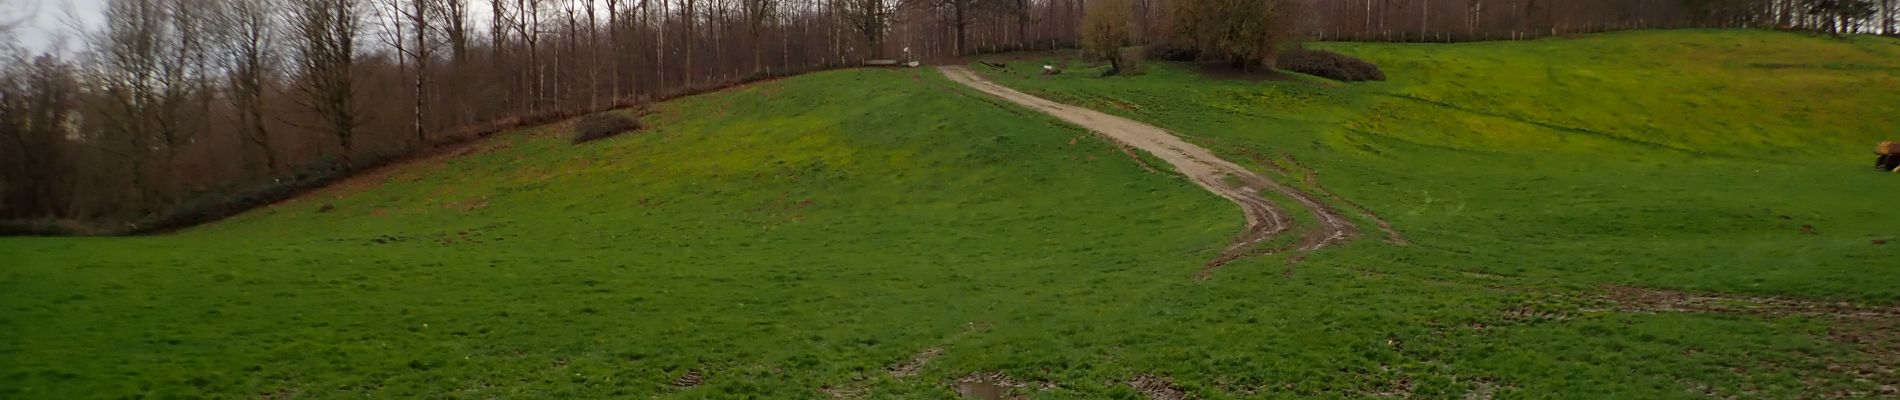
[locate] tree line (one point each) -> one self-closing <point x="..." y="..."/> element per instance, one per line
<point x="172" y="105"/>
<point x="174" y="110"/>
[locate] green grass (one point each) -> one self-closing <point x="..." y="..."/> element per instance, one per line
<point x="811" y="232"/>
<point x="1666" y="159"/>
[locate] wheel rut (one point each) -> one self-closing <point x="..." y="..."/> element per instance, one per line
<point x="1264" y="219"/>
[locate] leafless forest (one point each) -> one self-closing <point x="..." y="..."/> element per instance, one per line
<point x="178" y="110"/>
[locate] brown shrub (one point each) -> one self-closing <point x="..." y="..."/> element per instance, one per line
<point x="1172" y="52"/>
<point x="1330" y="65"/>
<point x="602" y="125"/>
<point x="1133" y="62"/>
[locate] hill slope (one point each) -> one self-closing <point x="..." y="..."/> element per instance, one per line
<point x="886" y="234"/>
<point x="1678" y="159"/>
<point x="1716" y="165"/>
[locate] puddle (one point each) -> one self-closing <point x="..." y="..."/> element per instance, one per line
<point x="982" y="389"/>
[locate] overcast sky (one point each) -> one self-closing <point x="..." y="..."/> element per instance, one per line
<point x="42" y="21"/>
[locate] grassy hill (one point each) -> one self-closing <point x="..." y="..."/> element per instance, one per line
<point x="1673" y="159"/>
<point x="886" y="233"/>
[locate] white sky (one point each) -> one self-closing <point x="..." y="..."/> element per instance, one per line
<point x="44" y="21"/>
<point x="45" y="24"/>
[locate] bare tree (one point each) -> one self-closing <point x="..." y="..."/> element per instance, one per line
<point x="128" y="55"/>
<point x="411" y="16"/>
<point x="183" y="82"/>
<point x="325" y="39"/>
<point x="616" y="48"/>
<point x="593" y="53"/>
<point x="420" y="19"/>
<point x="524" y="18"/>
<point x="870" y="18"/>
<point x="758" y="13"/>
<point x="247" y="36"/>
<point x="38" y="104"/>
<point x="453" y="15"/>
<point x="690" y="15"/>
<point x="1888" y="9"/>
<point x="1106" y="28"/>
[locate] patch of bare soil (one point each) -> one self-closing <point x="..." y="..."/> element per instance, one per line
<point x="1655" y="300"/>
<point x="1484" y="390"/>
<point x="909" y="367"/>
<point x="1157" y="388"/>
<point x="1264" y="219"/>
<point x="845" y="392"/>
<point x="689" y="380"/>
<point x="996" y="386"/>
<point x="1311" y="177"/>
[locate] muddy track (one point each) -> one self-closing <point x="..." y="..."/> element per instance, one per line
<point x="1226" y="179"/>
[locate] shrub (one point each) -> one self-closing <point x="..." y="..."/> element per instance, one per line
<point x="1243" y="33"/>
<point x="1133" y="63"/>
<point x="1172" y="52"/>
<point x="1106" y="28"/>
<point x="1330" y="65"/>
<point x="602" y="125"/>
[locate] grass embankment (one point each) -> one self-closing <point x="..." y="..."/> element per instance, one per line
<point x="773" y="240"/>
<point x="1732" y="162"/>
<point x="803" y="237"/>
<point x="1677" y="159"/>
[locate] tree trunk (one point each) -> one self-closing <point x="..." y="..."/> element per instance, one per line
<point x="422" y="68"/>
<point x="961" y="24"/>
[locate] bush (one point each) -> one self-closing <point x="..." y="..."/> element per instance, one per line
<point x="1168" y="52"/>
<point x="602" y="125"/>
<point x="1330" y="65"/>
<point x="1133" y="63"/>
<point x="1106" y="28"/>
<point x="1242" y="33"/>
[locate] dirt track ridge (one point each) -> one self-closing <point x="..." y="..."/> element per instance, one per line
<point x="1224" y="178"/>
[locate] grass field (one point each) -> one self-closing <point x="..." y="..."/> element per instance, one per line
<point x="1670" y="159"/>
<point x="886" y="233"/>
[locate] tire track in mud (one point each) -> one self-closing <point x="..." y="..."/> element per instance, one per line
<point x="1299" y="171"/>
<point x="1264" y="219"/>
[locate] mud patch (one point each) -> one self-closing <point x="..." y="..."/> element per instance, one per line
<point x="1400" y="388"/>
<point x="1636" y="299"/>
<point x="689" y="380"/>
<point x="981" y="389"/>
<point x="845" y="393"/>
<point x="1157" y="388"/>
<point x="996" y="385"/>
<point x="1293" y="168"/>
<point x="909" y="367"/>
<point x="1482" y="390"/>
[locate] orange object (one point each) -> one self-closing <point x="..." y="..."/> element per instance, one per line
<point x="1888" y="147"/>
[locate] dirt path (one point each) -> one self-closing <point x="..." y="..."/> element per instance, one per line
<point x="1224" y="178"/>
